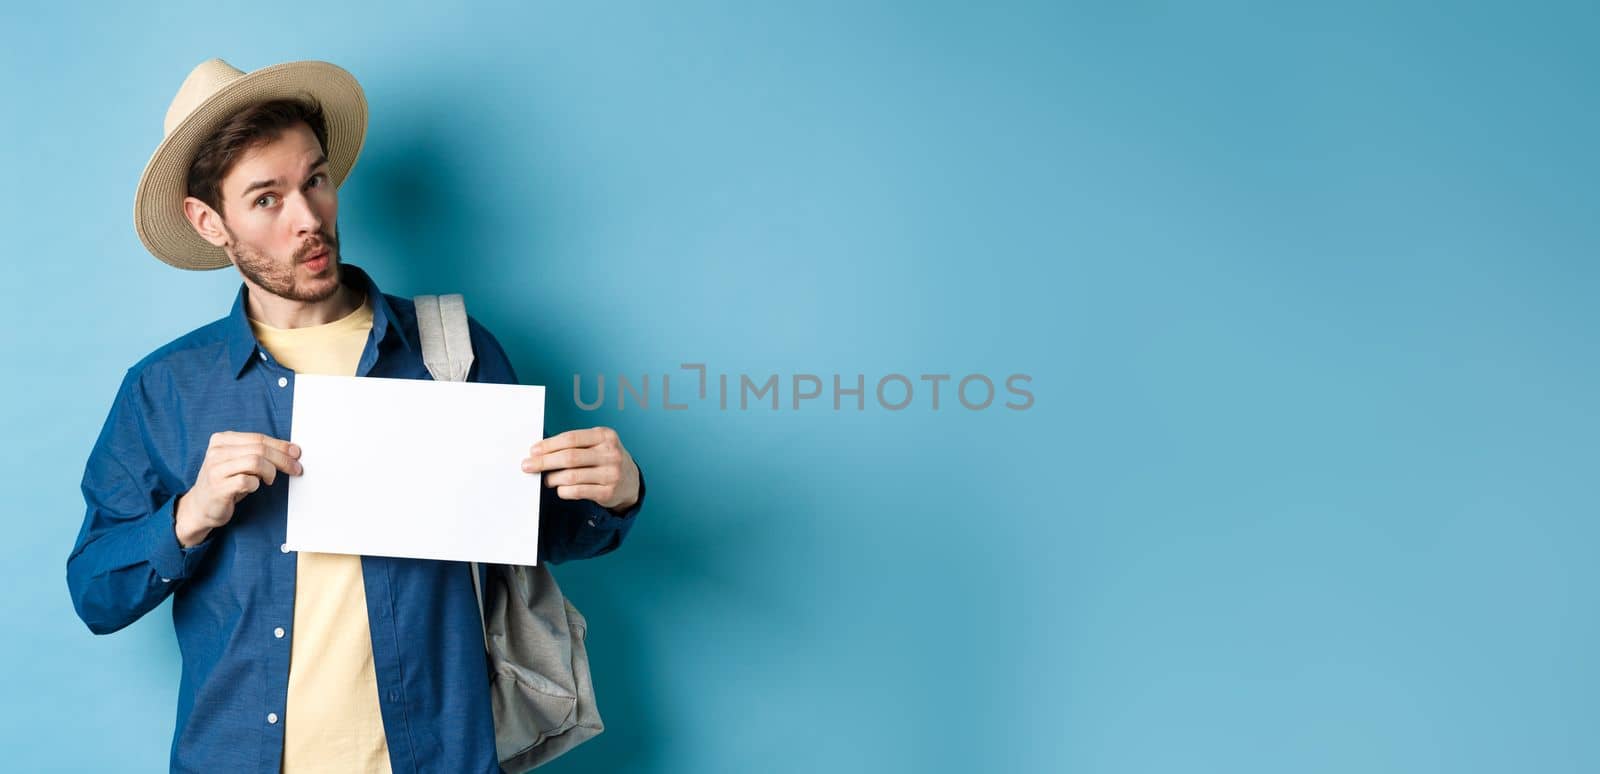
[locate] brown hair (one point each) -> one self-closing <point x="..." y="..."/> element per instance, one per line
<point x="251" y="127"/>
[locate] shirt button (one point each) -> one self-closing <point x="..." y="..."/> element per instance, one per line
<point x="272" y="717"/>
<point x="278" y="632"/>
<point x="263" y="355"/>
<point x="166" y="580"/>
<point x="284" y="548"/>
<point x="591" y="522"/>
<point x="283" y="381"/>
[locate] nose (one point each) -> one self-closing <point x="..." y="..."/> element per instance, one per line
<point x="303" y="216"/>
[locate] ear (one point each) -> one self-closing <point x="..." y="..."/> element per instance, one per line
<point x="206" y="221"/>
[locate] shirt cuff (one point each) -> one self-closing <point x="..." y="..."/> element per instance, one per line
<point x="170" y="560"/>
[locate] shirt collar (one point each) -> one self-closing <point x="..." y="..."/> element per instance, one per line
<point x="242" y="343"/>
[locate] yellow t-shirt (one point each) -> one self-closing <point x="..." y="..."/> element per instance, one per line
<point x="332" y="721"/>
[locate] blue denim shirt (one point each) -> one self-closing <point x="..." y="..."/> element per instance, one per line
<point x="230" y="592"/>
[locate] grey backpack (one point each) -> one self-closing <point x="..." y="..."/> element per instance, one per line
<point x="539" y="678"/>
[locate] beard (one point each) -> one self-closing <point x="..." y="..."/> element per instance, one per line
<point x="285" y="280"/>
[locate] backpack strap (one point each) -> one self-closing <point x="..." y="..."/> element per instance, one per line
<point x="446" y="342"/>
<point x="447" y="351"/>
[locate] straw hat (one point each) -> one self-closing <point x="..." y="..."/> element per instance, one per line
<point x="212" y="93"/>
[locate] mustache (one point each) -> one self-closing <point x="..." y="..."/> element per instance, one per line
<point x="315" y="245"/>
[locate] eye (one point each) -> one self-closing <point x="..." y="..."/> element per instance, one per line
<point x="260" y="202"/>
<point x="318" y="179"/>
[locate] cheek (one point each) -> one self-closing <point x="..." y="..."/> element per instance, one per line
<point x="252" y="228"/>
<point x="327" y="205"/>
<point x="263" y="233"/>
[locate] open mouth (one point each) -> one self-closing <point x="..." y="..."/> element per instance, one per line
<point x="317" y="260"/>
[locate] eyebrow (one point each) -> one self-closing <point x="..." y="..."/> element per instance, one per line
<point x="321" y="161"/>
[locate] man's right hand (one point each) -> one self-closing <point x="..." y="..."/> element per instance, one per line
<point x="236" y="464"/>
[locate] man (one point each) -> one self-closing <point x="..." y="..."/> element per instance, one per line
<point x="293" y="661"/>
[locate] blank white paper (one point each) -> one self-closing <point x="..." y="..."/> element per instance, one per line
<point x="415" y="468"/>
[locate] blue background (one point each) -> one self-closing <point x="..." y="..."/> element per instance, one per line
<point x="1307" y="295"/>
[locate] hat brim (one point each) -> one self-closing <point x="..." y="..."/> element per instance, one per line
<point x="158" y="205"/>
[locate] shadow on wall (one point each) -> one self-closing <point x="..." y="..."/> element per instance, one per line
<point x="419" y="217"/>
<point x="426" y="224"/>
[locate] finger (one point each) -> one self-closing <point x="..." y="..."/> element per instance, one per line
<point x="274" y="458"/>
<point x="602" y="475"/>
<point x="590" y="436"/>
<point x="235" y="438"/>
<point x="271" y="454"/>
<point x="283" y="447"/>
<point x="241" y="485"/>
<point x="566" y="458"/>
<point x="582" y="492"/>
<point x="250" y="465"/>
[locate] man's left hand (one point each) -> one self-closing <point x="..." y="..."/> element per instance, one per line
<point x="587" y="464"/>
